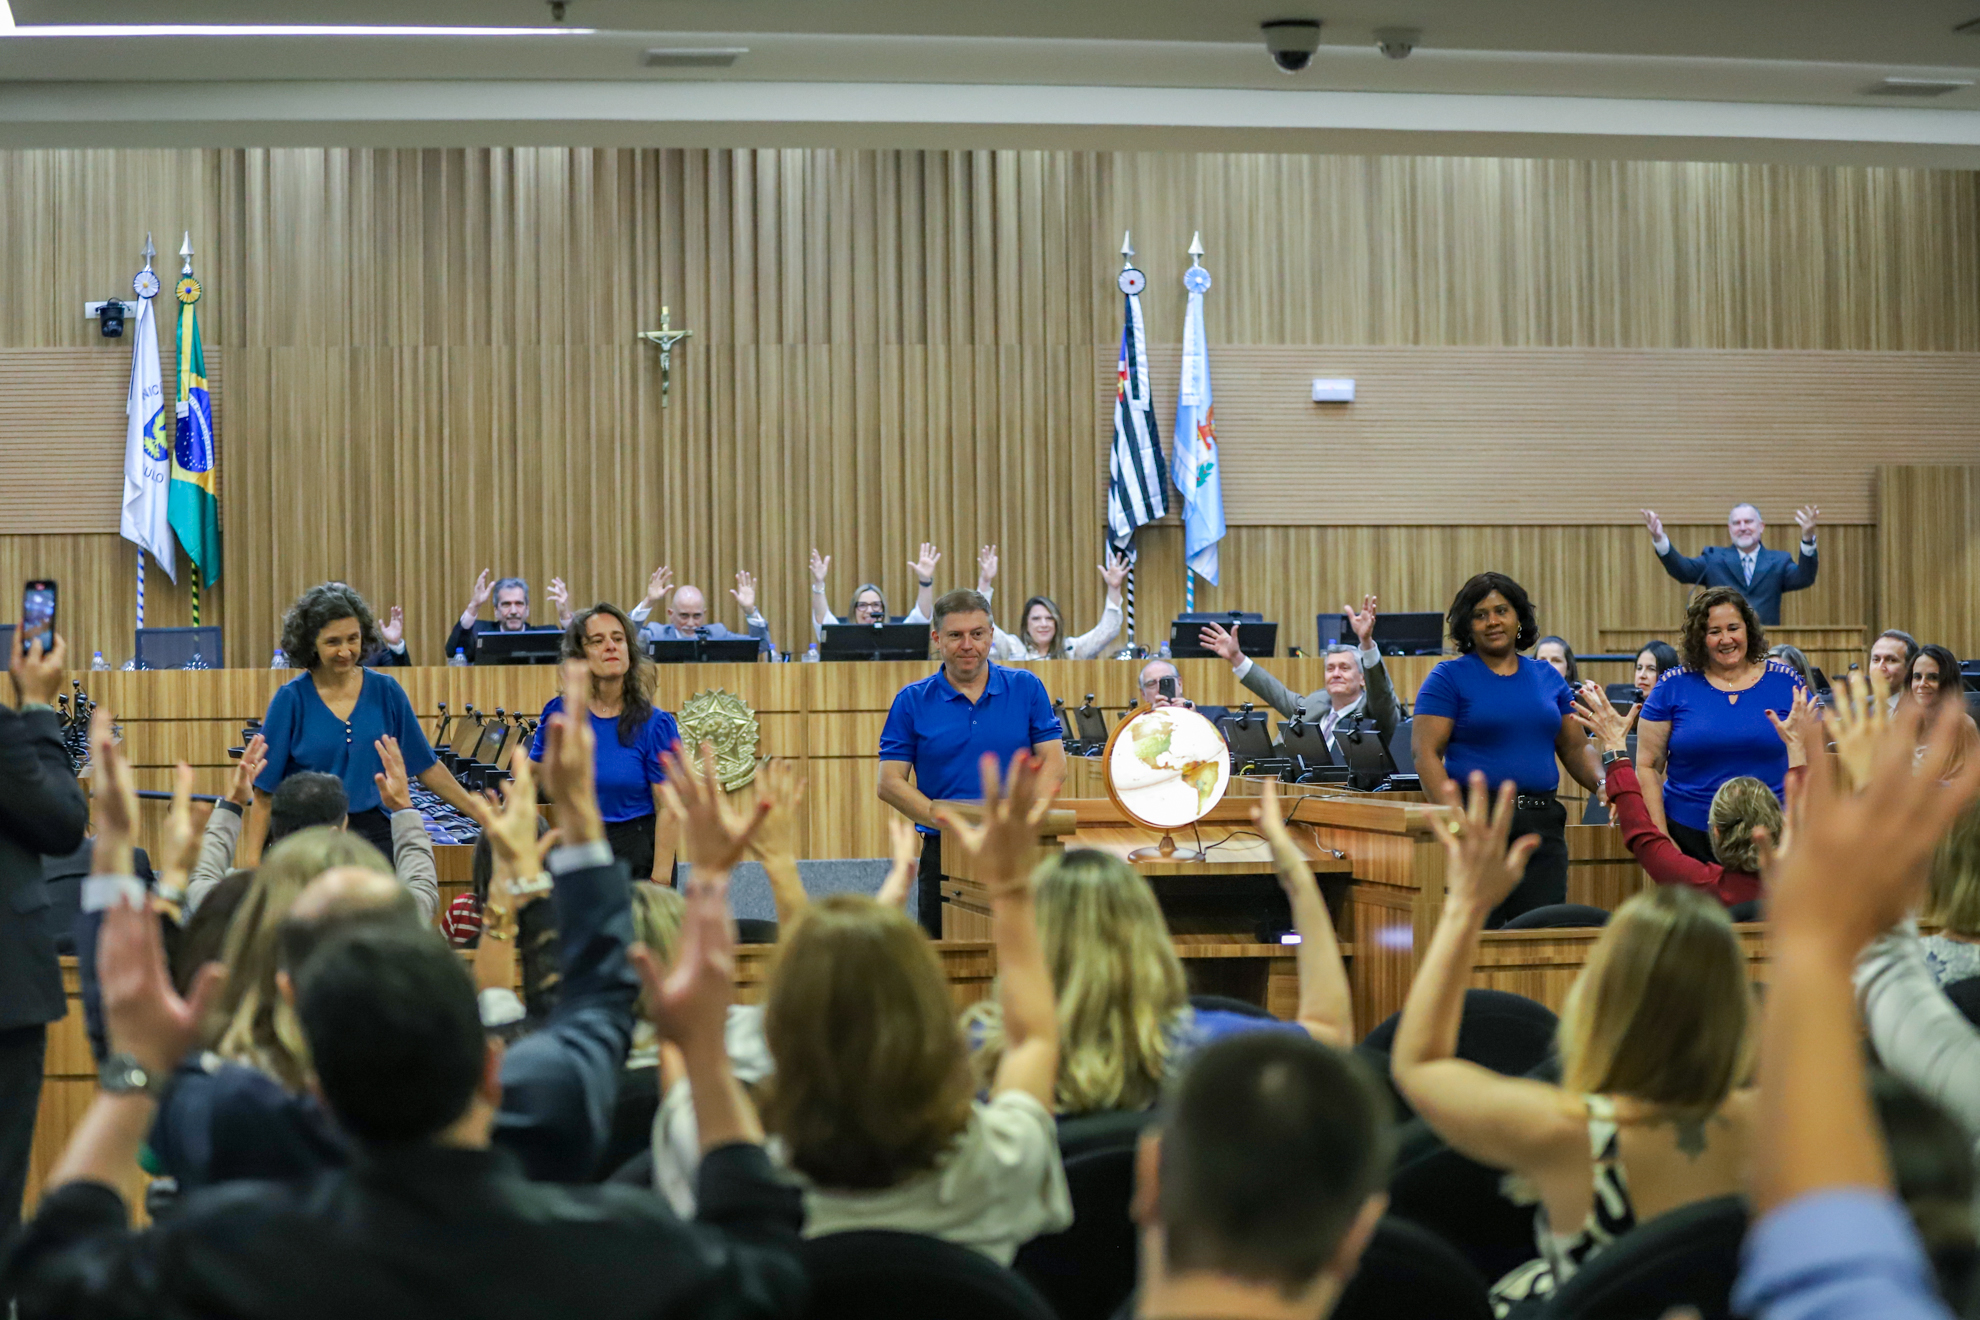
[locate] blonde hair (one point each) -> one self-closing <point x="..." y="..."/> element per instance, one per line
<point x="256" y="1026"/>
<point x="1119" y="984"/>
<point x="1954" y="899"/>
<point x="1742" y="804"/>
<point x="657" y="912"/>
<point x="872" y="1079"/>
<point x="1662" y="1012"/>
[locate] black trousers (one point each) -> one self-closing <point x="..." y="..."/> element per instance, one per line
<point x="1545" y="881"/>
<point x="375" y="825"/>
<point x="631" y="842"/>
<point x="21" y="1051"/>
<point x="1695" y="844"/>
<point x="928" y="887"/>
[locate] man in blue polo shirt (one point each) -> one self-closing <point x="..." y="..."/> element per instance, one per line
<point x="940" y="727"/>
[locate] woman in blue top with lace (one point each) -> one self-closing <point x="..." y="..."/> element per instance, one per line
<point x="1707" y="722"/>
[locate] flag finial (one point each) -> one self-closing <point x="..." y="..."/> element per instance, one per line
<point x="1127" y="248"/>
<point x="1196" y="248"/>
<point x="150" y="251"/>
<point x="186" y="251"/>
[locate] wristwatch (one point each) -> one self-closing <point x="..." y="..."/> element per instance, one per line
<point x="122" y="1074"/>
<point x="1610" y="758"/>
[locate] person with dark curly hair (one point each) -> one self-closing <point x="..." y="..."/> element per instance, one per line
<point x="1930" y="679"/>
<point x="340" y="718"/>
<point x="629" y="735"/>
<point x="1497" y="711"/>
<point x="1707" y="722"/>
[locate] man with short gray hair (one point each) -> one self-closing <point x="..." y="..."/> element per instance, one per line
<point x="1357" y="686"/>
<point x="1759" y="574"/>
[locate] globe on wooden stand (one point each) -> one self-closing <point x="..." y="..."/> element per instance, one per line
<point x="1165" y="768"/>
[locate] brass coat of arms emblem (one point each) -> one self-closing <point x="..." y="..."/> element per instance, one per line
<point x="721" y="718"/>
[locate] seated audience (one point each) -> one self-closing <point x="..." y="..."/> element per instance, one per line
<point x="1556" y="652"/>
<point x="222" y="834"/>
<point x="1651" y="662"/>
<point x="869" y="603"/>
<point x="1792" y="657"/>
<point x="1831" y="1239"/>
<point x="511" y="613"/>
<point x="1932" y="679"/>
<point x="1739" y="806"/>
<point x="1932" y="1172"/>
<point x="390" y="1023"/>
<point x="1261" y="1183"/>
<point x="1712" y="720"/>
<point x="1952" y="903"/>
<point x="687" y="615"/>
<point x="1152" y="691"/>
<point x="1655" y="1042"/>
<point x="872" y="1102"/>
<point x="1890" y="659"/>
<point x="1042" y="632"/>
<point x="1357" y="684"/>
<point x="393" y="654"/>
<point x="1126" y="1025"/>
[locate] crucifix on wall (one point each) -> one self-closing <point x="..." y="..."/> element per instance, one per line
<point x="666" y="337"/>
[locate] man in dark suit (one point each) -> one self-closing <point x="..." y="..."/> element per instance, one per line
<point x="1357" y="686"/>
<point x="41" y="811"/>
<point x="1759" y="574"/>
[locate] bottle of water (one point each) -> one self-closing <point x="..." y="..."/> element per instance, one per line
<point x="281" y="660"/>
<point x="811" y="654"/>
<point x="1164" y="651"/>
<point x="98" y="662"/>
<point x="458" y="660"/>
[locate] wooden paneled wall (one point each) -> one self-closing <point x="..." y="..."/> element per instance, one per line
<point x="430" y="362"/>
<point x="1928" y="552"/>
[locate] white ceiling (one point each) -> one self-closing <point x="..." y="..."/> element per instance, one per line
<point x="1745" y="79"/>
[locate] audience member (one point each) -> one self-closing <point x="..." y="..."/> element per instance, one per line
<point x="1652" y="662"/>
<point x="938" y="728"/>
<point x="221" y="838"/>
<point x="1357" y="684"/>
<point x="629" y="732"/>
<point x="1042" y="633"/>
<point x="1740" y="806"/>
<point x="511" y="614"/>
<point x="687" y="614"/>
<point x="1125" y="1021"/>
<point x="1556" y="652"/>
<point x="1952" y="903"/>
<point x="1159" y="685"/>
<point x="461" y="919"/>
<point x="1496" y="711"/>
<point x="1655" y="1042"/>
<point x="1932" y="1172"/>
<point x="1759" y="574"/>
<point x="869" y="603"/>
<point x="1261" y="1184"/>
<point x="393" y="654"/>
<point x="1932" y="679"/>
<point x="1712" y="720"/>
<point x="1831" y="1239"/>
<point x="1890" y="660"/>
<point x="41" y="811"/>
<point x="1792" y="657"/>
<point x="344" y="720"/>
<point x="872" y="1100"/>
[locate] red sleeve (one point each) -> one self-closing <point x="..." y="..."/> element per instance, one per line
<point x="1667" y="863"/>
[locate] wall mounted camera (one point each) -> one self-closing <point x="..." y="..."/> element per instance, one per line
<point x="1398" y="42"/>
<point x="1291" y="42"/>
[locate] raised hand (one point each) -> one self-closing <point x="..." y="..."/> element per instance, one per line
<point x="1806" y="517"/>
<point x="560" y="597"/>
<point x="1860" y="711"/>
<point x="1482" y="869"/>
<point x="1362" y="620"/>
<point x="1114" y="573"/>
<point x="714" y="834"/>
<point x="394" y="630"/>
<point x="904" y="849"/>
<point x="254" y="757"/>
<point x="1654" y="523"/>
<point x="924" y="565"/>
<point x="778" y="781"/>
<point x="1287" y="858"/>
<point x="986" y="567"/>
<point x="511" y="826"/>
<point x="745" y="592"/>
<point x="1593" y="712"/>
<point x="143" y="1015"/>
<point x="37" y="672"/>
<point x="484" y="587"/>
<point x="820" y="566"/>
<point x="659" y="585"/>
<point x="113" y="793"/>
<point x="1800" y="730"/>
<point x="394" y="788"/>
<point x="1002" y="846"/>
<point x="690" y="1001"/>
<point x="184" y="826"/>
<point x="1215" y="638"/>
<point x="568" y="769"/>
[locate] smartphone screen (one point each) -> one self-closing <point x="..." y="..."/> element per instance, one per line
<point x="1166" y="687"/>
<point x="37" y="615"/>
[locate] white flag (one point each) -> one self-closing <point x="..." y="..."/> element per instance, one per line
<point x="1197" y="472"/>
<point x="147" y="451"/>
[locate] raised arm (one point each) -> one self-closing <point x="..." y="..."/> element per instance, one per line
<point x="41" y="804"/>
<point x="776" y="844"/>
<point x="1675" y="564"/>
<point x="1801" y="573"/>
<point x="1326" y="1007"/>
<point x="924" y="575"/>
<point x="412" y="850"/>
<point x="1653" y="740"/>
<point x="477" y="597"/>
<point x="223" y="827"/>
<point x="821" y="609"/>
<point x="1664" y="861"/>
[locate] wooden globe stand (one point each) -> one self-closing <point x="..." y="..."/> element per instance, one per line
<point x="1166" y="851"/>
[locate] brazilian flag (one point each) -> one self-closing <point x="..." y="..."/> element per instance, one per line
<point x="195" y="499"/>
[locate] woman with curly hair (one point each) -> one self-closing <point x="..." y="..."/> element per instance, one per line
<point x="342" y="719"/>
<point x="1707" y="722"/>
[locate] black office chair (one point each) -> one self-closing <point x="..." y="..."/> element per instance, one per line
<point x="1409" y="1273"/>
<point x="1685" y="1257"/>
<point x="910" y="1276"/>
<point x="1966" y="997"/>
<point x="1226" y="1004"/>
<point x="1559" y="916"/>
<point x="755" y="930"/>
<point x="1508" y="1033"/>
<point x="1460" y="1201"/>
<point x="635" y="1172"/>
<point x="1621" y="695"/>
<point x="1087" y="1271"/>
<point x="1402" y="747"/>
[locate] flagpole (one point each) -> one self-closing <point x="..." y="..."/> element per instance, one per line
<point x="140" y="618"/>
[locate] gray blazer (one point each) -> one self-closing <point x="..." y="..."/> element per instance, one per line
<point x="1377" y="699"/>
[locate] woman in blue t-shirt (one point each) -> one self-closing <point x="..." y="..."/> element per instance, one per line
<point x="1707" y="722"/>
<point x="1494" y="710"/>
<point x="333" y="716"/>
<point x="628" y="736"/>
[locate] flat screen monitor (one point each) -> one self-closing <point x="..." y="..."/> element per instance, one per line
<point x="1363" y="751"/>
<point x="1248" y="734"/>
<point x="705" y="651"/>
<point x="1305" y="740"/>
<point x="1255" y="637"/>
<point x="1420" y="633"/>
<point x="531" y="646"/>
<point x="874" y="641"/>
<point x="488" y="747"/>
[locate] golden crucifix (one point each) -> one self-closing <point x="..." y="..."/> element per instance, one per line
<point x="666" y="337"/>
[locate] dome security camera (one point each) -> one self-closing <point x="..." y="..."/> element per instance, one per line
<point x="1292" y="42"/>
<point x="1397" y="42"/>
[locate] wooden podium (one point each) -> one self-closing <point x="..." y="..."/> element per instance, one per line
<point x="1220" y="910"/>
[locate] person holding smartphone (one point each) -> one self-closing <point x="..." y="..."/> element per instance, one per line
<point x="41" y="811"/>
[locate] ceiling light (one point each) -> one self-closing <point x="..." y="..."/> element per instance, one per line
<point x="268" y="30"/>
<point x="692" y="57"/>
<point x="6" y="16"/>
<point x="1917" y="86"/>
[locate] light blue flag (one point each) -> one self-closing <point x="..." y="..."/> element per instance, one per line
<point x="146" y="517"/>
<point x="1197" y="471"/>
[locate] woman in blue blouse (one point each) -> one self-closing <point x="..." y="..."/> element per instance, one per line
<point x="332" y="716"/>
<point x="1707" y="722"/>
<point x="1495" y="710"/>
<point x="628" y="736"/>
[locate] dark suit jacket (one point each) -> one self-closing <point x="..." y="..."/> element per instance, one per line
<point x="42" y="810"/>
<point x="1774" y="572"/>
<point x="1377" y="699"/>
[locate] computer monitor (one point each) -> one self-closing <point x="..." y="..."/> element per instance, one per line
<point x="1248" y="734"/>
<point x="531" y="646"/>
<point x="874" y="641"/>
<point x="705" y="651"/>
<point x="180" y="648"/>
<point x="488" y="747"/>
<point x="1255" y="636"/>
<point x="1303" y="738"/>
<point x="1420" y="633"/>
<point x="1362" y="749"/>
